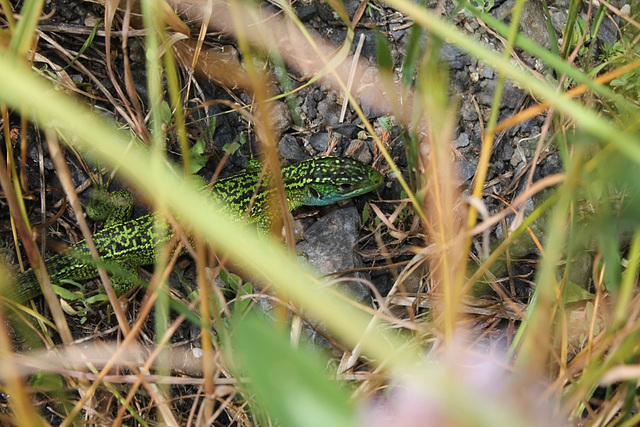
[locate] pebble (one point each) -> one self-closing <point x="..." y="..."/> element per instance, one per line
<point x="329" y="111"/>
<point x="466" y="170"/>
<point x="462" y="141"/>
<point x="290" y="149"/>
<point x="328" y="246"/>
<point x="319" y="141"/>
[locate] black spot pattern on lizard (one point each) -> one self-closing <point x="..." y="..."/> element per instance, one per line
<point x="133" y="243"/>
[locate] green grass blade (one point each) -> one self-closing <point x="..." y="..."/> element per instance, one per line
<point x="290" y="384"/>
<point x="22" y="38"/>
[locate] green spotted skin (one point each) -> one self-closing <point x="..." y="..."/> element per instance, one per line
<point x="129" y="244"/>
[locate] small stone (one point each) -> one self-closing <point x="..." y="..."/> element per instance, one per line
<point x="360" y="150"/>
<point x="462" y="141"/>
<point x="91" y="20"/>
<point x="279" y="118"/>
<point x="289" y="149"/>
<point x="346" y="129"/>
<point x="454" y="56"/>
<point x="320" y="141"/>
<point x="533" y="23"/>
<point x="371" y="96"/>
<point x="487" y="72"/>
<point x="468" y="111"/>
<point x="466" y="170"/>
<point x="511" y="96"/>
<point x="329" y="111"/>
<point x="310" y="107"/>
<point x="305" y="13"/>
<point x="328" y="246"/>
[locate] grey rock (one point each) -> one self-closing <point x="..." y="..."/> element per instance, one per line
<point x="505" y="151"/>
<point x="360" y="150"/>
<point x="454" y="56"/>
<point x="326" y="13"/>
<point x="468" y="111"/>
<point x="346" y="129"/>
<point x="462" y="141"/>
<point x="487" y="72"/>
<point x="289" y="149"/>
<point x="352" y="7"/>
<point x="581" y="268"/>
<point x="371" y="96"/>
<point x="608" y="31"/>
<point x="319" y="141"/>
<point x="305" y="13"/>
<point x="310" y="107"/>
<point x="533" y="23"/>
<point x="329" y="111"/>
<point x="328" y="245"/>
<point x="558" y="18"/>
<point x="511" y="95"/>
<point x="553" y="164"/>
<point x="398" y="34"/>
<point x="369" y="45"/>
<point x="279" y="118"/>
<point x="466" y="170"/>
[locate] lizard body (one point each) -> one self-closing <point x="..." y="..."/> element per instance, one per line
<point x="129" y="244"/>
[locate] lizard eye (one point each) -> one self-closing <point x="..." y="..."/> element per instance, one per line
<point x="345" y="187"/>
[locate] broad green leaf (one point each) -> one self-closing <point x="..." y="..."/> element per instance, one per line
<point x="291" y="385"/>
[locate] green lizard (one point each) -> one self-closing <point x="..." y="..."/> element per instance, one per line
<point x="129" y="244"/>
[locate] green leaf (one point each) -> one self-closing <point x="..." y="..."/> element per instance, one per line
<point x="198" y="158"/>
<point x="366" y="214"/>
<point x="290" y="385"/>
<point x="575" y="293"/>
<point x="230" y="148"/>
<point x="65" y="293"/>
<point x="385" y="59"/>
<point x="240" y="306"/>
<point x="47" y="381"/>
<point x="97" y="298"/>
<point x="553" y="40"/>
<point x="413" y="53"/>
<point x="165" y="112"/>
<point x="86" y="44"/>
<point x="386" y="123"/>
<point x="212" y="127"/>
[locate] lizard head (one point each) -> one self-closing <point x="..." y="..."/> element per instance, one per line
<point x="326" y="180"/>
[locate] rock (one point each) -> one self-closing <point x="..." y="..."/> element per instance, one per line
<point x="454" y="56"/>
<point x="467" y="110"/>
<point x="371" y="96"/>
<point x="329" y="111"/>
<point x="360" y="150"/>
<point x="319" y="141"/>
<point x="289" y="149"/>
<point x="328" y="245"/>
<point x="462" y="141"/>
<point x="306" y="13"/>
<point x="511" y="96"/>
<point x="279" y="118"/>
<point x="533" y="23"/>
<point x="466" y="170"/>
<point x="310" y="107"/>
<point x="326" y="13"/>
<point x="346" y="129"/>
